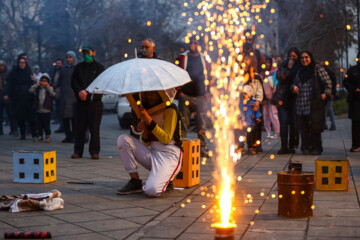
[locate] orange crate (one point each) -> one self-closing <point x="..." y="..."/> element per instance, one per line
<point x="189" y="174"/>
<point x="332" y="174"/>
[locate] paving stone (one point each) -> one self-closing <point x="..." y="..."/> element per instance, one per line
<point x="58" y="229"/>
<point x="88" y="236"/>
<point x="256" y="234"/>
<point x="339" y="221"/>
<point x="279" y="225"/>
<point x="170" y="227"/>
<point x="108" y="225"/>
<point x="83" y="217"/>
<point x="333" y="231"/>
<point x="130" y="212"/>
<point x="119" y="234"/>
<point x="40" y="220"/>
<point x="141" y="220"/>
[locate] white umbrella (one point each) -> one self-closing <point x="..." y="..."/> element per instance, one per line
<point x="139" y="75"/>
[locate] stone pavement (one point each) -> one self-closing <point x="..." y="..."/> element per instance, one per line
<point x="94" y="211"/>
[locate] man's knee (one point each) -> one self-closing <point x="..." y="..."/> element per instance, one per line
<point x="123" y="141"/>
<point x="151" y="190"/>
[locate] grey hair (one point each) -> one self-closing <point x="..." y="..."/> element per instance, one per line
<point x="150" y="40"/>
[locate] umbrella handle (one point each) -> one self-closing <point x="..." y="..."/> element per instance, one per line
<point x="136" y="132"/>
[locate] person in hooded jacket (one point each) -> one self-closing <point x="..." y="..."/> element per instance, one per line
<point x="18" y="83"/>
<point x="43" y="105"/>
<point x="312" y="86"/>
<point x="352" y="84"/>
<point x="67" y="97"/>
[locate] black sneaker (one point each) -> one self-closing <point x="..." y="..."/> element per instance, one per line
<point x="332" y="128"/>
<point x="315" y="152"/>
<point x="355" y="149"/>
<point x="133" y="186"/>
<point x="170" y="187"/>
<point x="283" y="151"/>
<point x="306" y="151"/>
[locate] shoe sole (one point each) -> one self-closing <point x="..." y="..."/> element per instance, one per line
<point x="130" y="192"/>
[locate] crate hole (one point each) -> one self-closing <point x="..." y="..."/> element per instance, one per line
<point x="325" y="169"/>
<point x="193" y="161"/>
<point x="192" y="174"/>
<point x="180" y="175"/>
<point x="197" y="160"/>
<point x="51" y="160"/>
<point x="36" y="161"/>
<point x="197" y="173"/>
<point x="193" y="149"/>
<point x="198" y="148"/>
<point x="325" y="181"/>
<point x="36" y="176"/>
<point x="21" y="175"/>
<point x="47" y="161"/>
<point x="47" y="173"/>
<point x="52" y="173"/>
<point x="21" y="161"/>
<point x="338" y="169"/>
<point x="338" y="180"/>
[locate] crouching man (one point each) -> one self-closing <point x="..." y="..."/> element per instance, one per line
<point x="159" y="149"/>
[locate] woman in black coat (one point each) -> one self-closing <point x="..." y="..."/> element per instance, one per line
<point x="18" y="84"/>
<point x="312" y="85"/>
<point x="352" y="84"/>
<point x="283" y="95"/>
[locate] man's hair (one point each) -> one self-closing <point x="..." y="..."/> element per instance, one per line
<point x="150" y="40"/>
<point x="59" y="59"/>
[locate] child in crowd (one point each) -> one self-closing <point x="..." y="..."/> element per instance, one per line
<point x="249" y="118"/>
<point x="43" y="104"/>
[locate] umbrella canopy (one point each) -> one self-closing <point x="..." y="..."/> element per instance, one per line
<point x="139" y="75"/>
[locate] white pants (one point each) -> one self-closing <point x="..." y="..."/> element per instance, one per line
<point x="163" y="161"/>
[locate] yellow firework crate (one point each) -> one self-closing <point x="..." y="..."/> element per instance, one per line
<point x="189" y="174"/>
<point x="332" y="173"/>
<point x="34" y="167"/>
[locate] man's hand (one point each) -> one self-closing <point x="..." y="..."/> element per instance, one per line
<point x="296" y="90"/>
<point x="256" y="106"/>
<point x="141" y="126"/>
<point x="357" y="90"/>
<point x="258" y="120"/>
<point x="145" y="116"/>
<point x="207" y="95"/>
<point x="323" y="96"/>
<point x="83" y="94"/>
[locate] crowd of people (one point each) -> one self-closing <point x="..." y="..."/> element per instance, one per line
<point x="290" y="97"/>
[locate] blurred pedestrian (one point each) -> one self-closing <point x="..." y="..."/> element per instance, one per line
<point x="251" y="118"/>
<point x="89" y="106"/>
<point x="255" y="64"/>
<point x="18" y="83"/>
<point x="285" y="101"/>
<point x="67" y="98"/>
<point x="55" y="82"/>
<point x="194" y="96"/>
<point x="37" y="74"/>
<point x="352" y="84"/>
<point x="269" y="110"/>
<point x="3" y="75"/>
<point x="329" y="105"/>
<point x="312" y="86"/>
<point x="147" y="51"/>
<point x="43" y="104"/>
